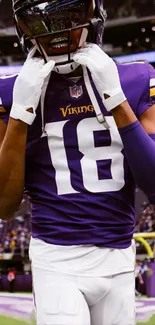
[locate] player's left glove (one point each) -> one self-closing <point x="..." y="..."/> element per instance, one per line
<point x="28" y="86"/>
<point x="104" y="74"/>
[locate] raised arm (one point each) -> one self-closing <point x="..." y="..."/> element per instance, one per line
<point x="138" y="136"/>
<point x="26" y="95"/>
<point x="12" y="166"/>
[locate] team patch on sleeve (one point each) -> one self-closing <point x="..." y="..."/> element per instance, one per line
<point x="152" y="87"/>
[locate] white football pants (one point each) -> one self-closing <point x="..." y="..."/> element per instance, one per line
<point x="71" y="300"/>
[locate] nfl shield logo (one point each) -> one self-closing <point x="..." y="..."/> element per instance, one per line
<point x="76" y="91"/>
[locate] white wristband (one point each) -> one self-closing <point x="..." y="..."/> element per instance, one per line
<point x="20" y="113"/>
<point x="112" y="102"/>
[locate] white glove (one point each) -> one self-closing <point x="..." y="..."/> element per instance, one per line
<point x="27" y="87"/>
<point x="104" y="74"/>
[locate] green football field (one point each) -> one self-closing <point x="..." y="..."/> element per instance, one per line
<point x="151" y="322"/>
<point x="11" y="321"/>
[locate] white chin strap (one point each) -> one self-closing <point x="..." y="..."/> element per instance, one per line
<point x="59" y="59"/>
<point x="64" y="68"/>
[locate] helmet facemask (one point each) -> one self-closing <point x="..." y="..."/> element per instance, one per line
<point x="53" y="24"/>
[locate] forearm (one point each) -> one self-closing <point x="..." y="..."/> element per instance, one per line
<point x="139" y="148"/>
<point x="123" y="115"/>
<point x="12" y="167"/>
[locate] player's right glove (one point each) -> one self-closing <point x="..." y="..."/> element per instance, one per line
<point x="27" y="87"/>
<point x="104" y="74"/>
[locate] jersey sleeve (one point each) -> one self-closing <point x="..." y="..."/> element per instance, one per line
<point x="147" y="96"/>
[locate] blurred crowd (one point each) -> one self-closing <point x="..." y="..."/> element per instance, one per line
<point x="141" y="271"/>
<point x="146" y="220"/>
<point x="146" y="223"/>
<point x="15" y="234"/>
<point x="128" y="8"/>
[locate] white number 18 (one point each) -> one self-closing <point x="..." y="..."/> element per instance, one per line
<point x="91" y="154"/>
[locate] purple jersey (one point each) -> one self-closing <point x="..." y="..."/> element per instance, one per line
<point x="77" y="176"/>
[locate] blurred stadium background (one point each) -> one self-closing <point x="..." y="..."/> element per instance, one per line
<point x="129" y="36"/>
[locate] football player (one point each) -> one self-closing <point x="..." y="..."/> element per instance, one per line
<point x="77" y="132"/>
